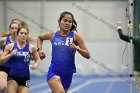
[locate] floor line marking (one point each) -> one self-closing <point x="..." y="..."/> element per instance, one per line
<point x="94" y="81"/>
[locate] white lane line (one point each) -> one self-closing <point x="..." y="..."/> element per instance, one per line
<point x="80" y="86"/>
<point x="109" y="87"/>
<point x="94" y="81"/>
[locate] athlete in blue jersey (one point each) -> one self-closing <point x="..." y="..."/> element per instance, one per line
<point x="65" y="42"/>
<point x="4" y="69"/>
<point x="19" y="53"/>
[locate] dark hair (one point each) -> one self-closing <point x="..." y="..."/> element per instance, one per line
<point x="13" y="23"/>
<point x="30" y="39"/>
<point x="5" y="34"/>
<point x="15" y="19"/>
<point x="21" y="28"/>
<point x="74" y="23"/>
<point x="23" y="23"/>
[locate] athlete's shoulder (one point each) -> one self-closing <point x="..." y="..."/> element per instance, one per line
<point x="32" y="46"/>
<point x="77" y="34"/>
<point x="9" y="46"/>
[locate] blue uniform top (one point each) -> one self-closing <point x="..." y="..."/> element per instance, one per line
<point x="63" y="57"/>
<point x="20" y="61"/>
<point x="8" y="41"/>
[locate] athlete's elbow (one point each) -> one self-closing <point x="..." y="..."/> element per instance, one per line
<point x="87" y="55"/>
<point x="39" y="39"/>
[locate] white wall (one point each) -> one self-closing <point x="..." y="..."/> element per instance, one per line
<point x="96" y="24"/>
<point x="1" y="18"/>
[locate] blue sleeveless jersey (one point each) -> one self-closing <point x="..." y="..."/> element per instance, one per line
<point x="8" y="63"/>
<point x="8" y="41"/>
<point x="63" y="57"/>
<point x="20" y="61"/>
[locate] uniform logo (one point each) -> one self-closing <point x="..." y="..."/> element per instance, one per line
<point x="68" y="40"/>
<point x="27" y="83"/>
<point x="25" y="54"/>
